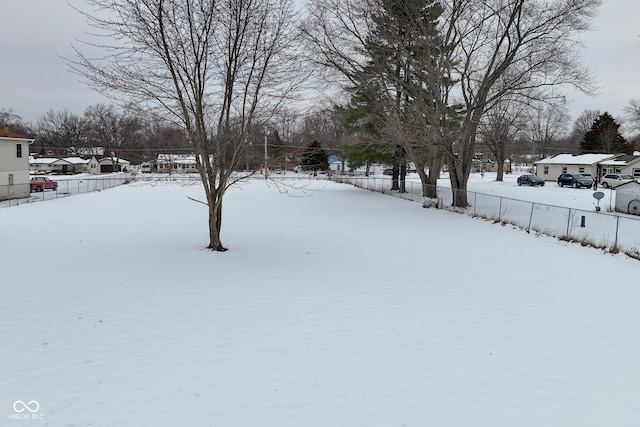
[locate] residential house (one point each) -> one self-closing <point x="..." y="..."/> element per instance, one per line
<point x="628" y="198"/>
<point x="63" y="165"/>
<point x="628" y="164"/>
<point x="14" y="165"/>
<point x="176" y="163"/>
<point x="552" y="167"/>
<point x="40" y="165"/>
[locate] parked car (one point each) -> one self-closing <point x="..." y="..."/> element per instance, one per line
<point x="612" y="180"/>
<point x="41" y="183"/>
<point x="532" y="180"/>
<point x="387" y="172"/>
<point x="575" y="180"/>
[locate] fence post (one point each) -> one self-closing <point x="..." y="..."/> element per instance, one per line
<point x="615" y="245"/>
<point x="475" y="202"/>
<point x="530" y="217"/>
<point x="568" y="222"/>
<point x="500" y="211"/>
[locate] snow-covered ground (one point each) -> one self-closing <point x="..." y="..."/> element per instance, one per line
<point x="333" y="307"/>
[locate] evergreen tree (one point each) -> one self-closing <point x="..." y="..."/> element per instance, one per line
<point x="315" y="158"/>
<point x="604" y="137"/>
<point x="399" y="97"/>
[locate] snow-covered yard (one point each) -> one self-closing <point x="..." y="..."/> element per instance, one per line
<point x="333" y="307"/>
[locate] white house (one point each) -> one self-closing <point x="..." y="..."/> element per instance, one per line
<point x="176" y="163"/>
<point x="63" y="165"/>
<point x="552" y="167"/>
<point x="42" y="164"/>
<point x="14" y="165"/>
<point x="628" y="198"/>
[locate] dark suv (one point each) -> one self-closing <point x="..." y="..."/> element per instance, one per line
<point x="575" y="180"/>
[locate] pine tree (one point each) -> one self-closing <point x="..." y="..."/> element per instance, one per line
<point x="604" y="137"/>
<point x="315" y="158"/>
<point x="398" y="98"/>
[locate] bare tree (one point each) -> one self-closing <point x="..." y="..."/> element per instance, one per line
<point x="58" y="131"/>
<point x="499" y="128"/>
<point x="632" y="115"/>
<point x="213" y="66"/>
<point x="504" y="47"/>
<point x="546" y="124"/>
<point x="112" y="130"/>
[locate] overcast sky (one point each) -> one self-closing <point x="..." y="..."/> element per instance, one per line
<point x="34" y="34"/>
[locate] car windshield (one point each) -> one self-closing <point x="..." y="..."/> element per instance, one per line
<point x="626" y="177"/>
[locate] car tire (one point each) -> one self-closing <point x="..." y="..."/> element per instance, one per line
<point x="38" y="189"/>
<point x="561" y="184"/>
<point x="519" y="184"/>
<point x="576" y="185"/>
<point x="605" y="185"/>
<point x="55" y="187"/>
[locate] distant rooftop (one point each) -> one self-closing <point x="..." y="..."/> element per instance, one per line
<point x="576" y="159"/>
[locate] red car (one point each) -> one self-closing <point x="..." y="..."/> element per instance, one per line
<point x="41" y="183"/>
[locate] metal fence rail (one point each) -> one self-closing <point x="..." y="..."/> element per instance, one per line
<point x="612" y="231"/>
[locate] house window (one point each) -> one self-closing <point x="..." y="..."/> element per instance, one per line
<point x="18" y="150"/>
<point x="636" y="173"/>
<point x="546" y="170"/>
<point x="581" y="169"/>
<point x="11" y="178"/>
<point x="564" y="169"/>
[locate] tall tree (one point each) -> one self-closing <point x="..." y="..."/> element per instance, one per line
<point x="546" y="123"/>
<point x="507" y="47"/>
<point x="213" y="66"/>
<point x="315" y="158"/>
<point x="112" y="130"/>
<point x="499" y="128"/>
<point x="498" y="48"/>
<point x="406" y="76"/>
<point x="632" y="115"/>
<point x="58" y="132"/>
<point x="604" y="137"/>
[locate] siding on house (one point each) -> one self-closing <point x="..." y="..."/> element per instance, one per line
<point x="14" y="167"/>
<point x="626" y="164"/>
<point x="551" y="168"/>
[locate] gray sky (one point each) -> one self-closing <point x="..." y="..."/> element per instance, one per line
<point x="34" y="34"/>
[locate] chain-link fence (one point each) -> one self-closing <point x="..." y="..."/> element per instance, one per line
<point x="67" y="186"/>
<point x="613" y="231"/>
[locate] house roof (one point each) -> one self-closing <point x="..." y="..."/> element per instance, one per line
<point x="42" y="160"/>
<point x="575" y="159"/>
<point x="622" y="160"/>
<point x="76" y="160"/>
<point x="51" y="160"/>
<point x="628" y="186"/>
<point x="115" y="159"/>
<point x="6" y="133"/>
